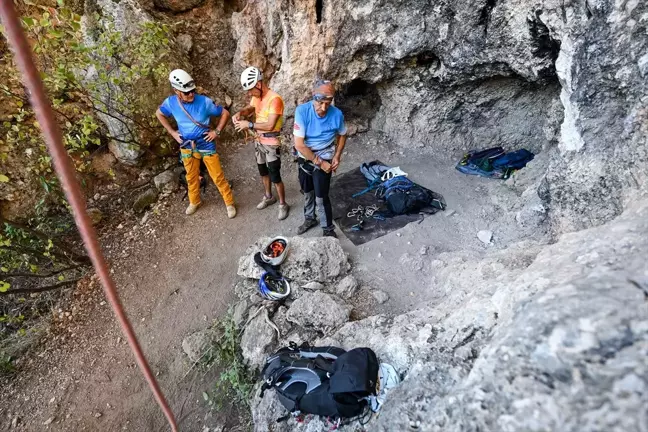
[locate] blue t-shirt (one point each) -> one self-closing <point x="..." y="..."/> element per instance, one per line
<point x="201" y="109"/>
<point x="319" y="133"/>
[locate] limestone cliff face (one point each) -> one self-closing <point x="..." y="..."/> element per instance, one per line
<point x="558" y="340"/>
<point x="564" y="77"/>
<point x="557" y="345"/>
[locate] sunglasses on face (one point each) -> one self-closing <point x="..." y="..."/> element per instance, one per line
<point x="187" y="93"/>
<point x="318" y="97"/>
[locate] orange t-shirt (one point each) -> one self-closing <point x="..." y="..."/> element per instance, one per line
<point x="271" y="103"/>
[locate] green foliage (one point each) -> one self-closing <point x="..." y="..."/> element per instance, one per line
<point x="90" y="78"/>
<point x="235" y="382"/>
<point x="109" y="78"/>
<point x="30" y="253"/>
<point x="6" y="364"/>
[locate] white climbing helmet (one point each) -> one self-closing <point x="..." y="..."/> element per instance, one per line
<point x="250" y="77"/>
<point x="393" y="172"/>
<point x="274" y="253"/>
<point x="181" y="80"/>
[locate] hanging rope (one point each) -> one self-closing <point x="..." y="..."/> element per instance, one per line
<point x="66" y="174"/>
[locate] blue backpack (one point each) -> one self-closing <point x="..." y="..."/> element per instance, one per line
<point x="372" y="172"/>
<point x="494" y="162"/>
<point x="514" y="160"/>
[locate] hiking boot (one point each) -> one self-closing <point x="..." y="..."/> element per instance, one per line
<point x="283" y="211"/>
<point x="329" y="233"/>
<point x="231" y="211"/>
<point x="192" y="208"/>
<point x="266" y="202"/>
<point x="308" y="224"/>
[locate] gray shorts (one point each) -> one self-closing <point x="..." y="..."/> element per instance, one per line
<point x="266" y="153"/>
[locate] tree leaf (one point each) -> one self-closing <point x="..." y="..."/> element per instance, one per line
<point x="4" y="178"/>
<point x="4" y="286"/>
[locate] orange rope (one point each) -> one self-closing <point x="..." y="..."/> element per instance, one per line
<point x="66" y="174"/>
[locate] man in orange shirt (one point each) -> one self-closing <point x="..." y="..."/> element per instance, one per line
<point x="268" y="108"/>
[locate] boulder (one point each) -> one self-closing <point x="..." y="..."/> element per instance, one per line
<point x="257" y="338"/>
<point x="281" y="321"/>
<point x="239" y="313"/>
<point x="166" y="181"/>
<point x="126" y="153"/>
<point x="319" y="259"/>
<point x="145" y="200"/>
<point x="319" y="311"/>
<point x="196" y="344"/>
<point x="266" y="411"/>
<point x="347" y="287"/>
<point x="245" y="288"/>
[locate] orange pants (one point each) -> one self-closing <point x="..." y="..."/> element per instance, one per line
<point x="192" y="166"/>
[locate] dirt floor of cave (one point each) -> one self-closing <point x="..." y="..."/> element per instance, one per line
<point x="176" y="276"/>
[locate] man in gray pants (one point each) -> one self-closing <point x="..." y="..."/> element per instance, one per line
<point x="320" y="137"/>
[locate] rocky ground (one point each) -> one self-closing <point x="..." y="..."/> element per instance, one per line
<point x="177" y="274"/>
<point x="521" y="307"/>
<point x="526" y="338"/>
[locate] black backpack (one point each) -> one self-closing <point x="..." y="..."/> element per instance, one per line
<point x="403" y="196"/>
<point x="325" y="381"/>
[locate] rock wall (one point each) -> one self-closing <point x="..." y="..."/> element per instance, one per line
<point x="563" y="77"/>
<point x="528" y="338"/>
<point x="532" y="337"/>
<point x="567" y="338"/>
<point x="450" y="76"/>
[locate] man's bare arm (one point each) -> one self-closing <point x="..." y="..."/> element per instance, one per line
<point x="165" y="122"/>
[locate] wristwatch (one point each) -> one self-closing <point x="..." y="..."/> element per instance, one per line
<point x="217" y="132"/>
<point x="251" y="125"/>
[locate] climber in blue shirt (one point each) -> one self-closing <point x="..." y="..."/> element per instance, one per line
<point x="320" y="137"/>
<point x="192" y="113"/>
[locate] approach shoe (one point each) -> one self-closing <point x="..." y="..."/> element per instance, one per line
<point x="266" y="202"/>
<point x="308" y="224"/>
<point x="192" y="208"/>
<point x="283" y="211"/>
<point x="329" y="233"/>
<point x="231" y="211"/>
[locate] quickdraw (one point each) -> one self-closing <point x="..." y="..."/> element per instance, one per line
<point x="362" y="212"/>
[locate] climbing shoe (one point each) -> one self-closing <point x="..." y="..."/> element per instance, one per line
<point x="192" y="208"/>
<point x="329" y="233"/>
<point x="308" y="224"/>
<point x="265" y="202"/>
<point x="231" y="211"/>
<point x="283" y="211"/>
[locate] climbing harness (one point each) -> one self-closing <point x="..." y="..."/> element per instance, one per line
<point x="194" y="151"/>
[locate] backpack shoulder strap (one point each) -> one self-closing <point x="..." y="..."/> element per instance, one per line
<point x="189" y="115"/>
